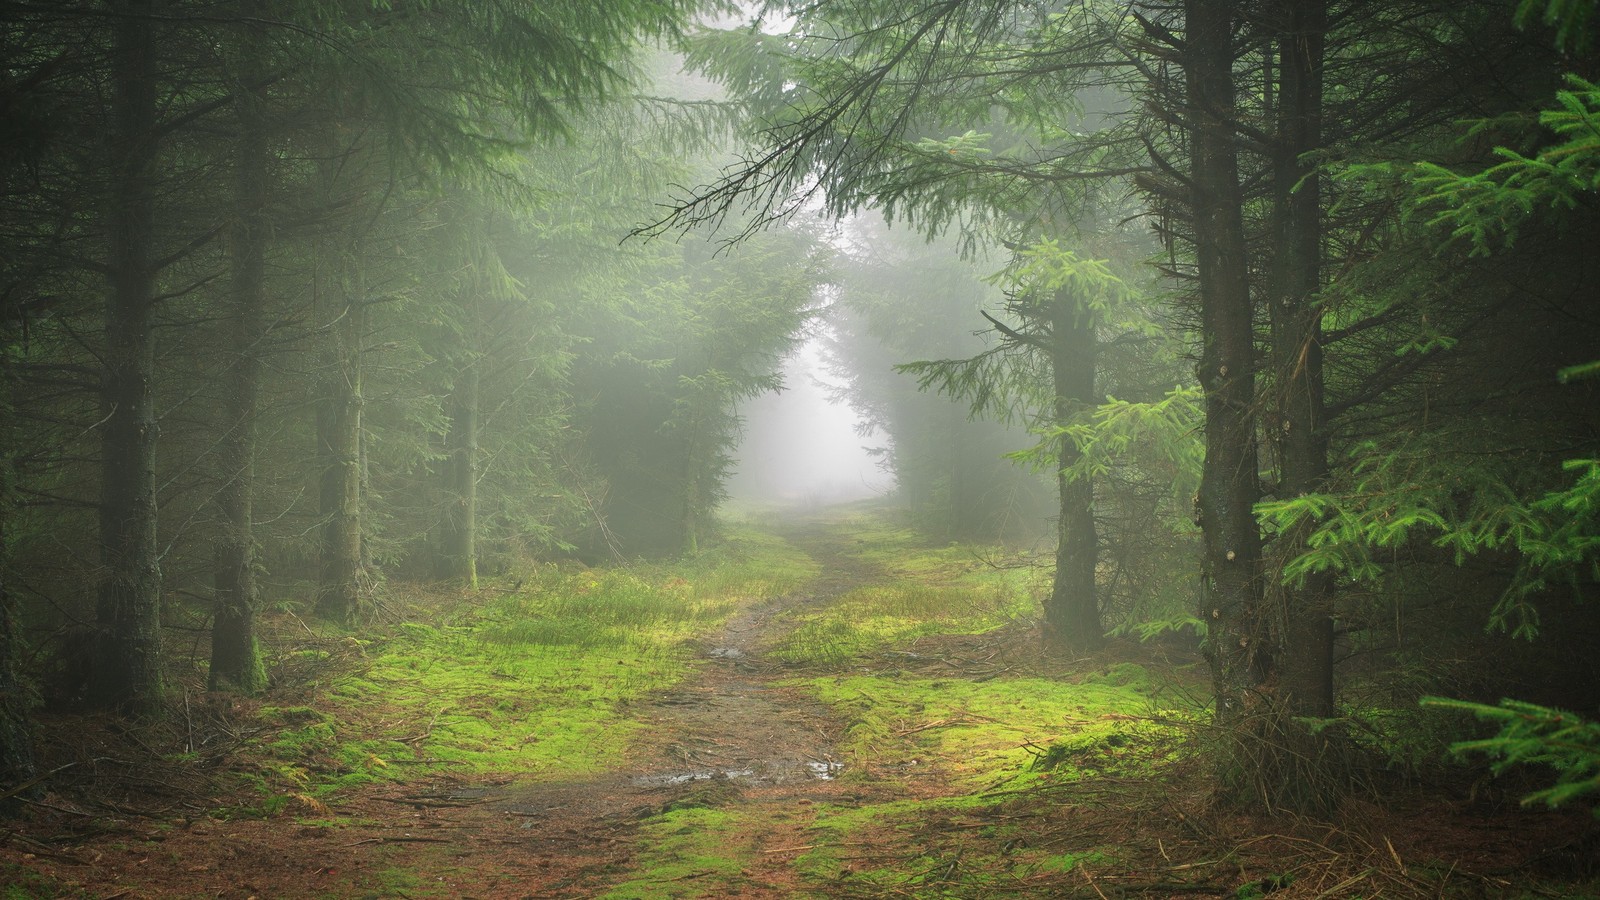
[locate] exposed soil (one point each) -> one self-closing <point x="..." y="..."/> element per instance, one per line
<point x="138" y="827"/>
<point x="726" y="732"/>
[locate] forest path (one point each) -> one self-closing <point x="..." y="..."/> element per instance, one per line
<point x="731" y="741"/>
<point x="730" y="733"/>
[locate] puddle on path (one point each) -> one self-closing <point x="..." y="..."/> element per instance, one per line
<point x="777" y="773"/>
<point x="825" y="770"/>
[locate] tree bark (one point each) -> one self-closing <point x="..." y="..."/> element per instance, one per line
<point x="1296" y="317"/>
<point x="16" y="744"/>
<point x="1072" y="614"/>
<point x="461" y="532"/>
<point x="339" y="441"/>
<point x="1231" y="556"/>
<point x="235" y="658"/>
<point x="127" y="673"/>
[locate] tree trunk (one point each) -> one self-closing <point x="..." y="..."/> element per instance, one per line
<point x="1072" y="614"/>
<point x="339" y="442"/>
<point x="461" y="532"/>
<point x="1294" y="279"/>
<point x="127" y="665"/>
<point x="16" y="746"/>
<point x="1231" y="560"/>
<point x="691" y="493"/>
<point x="235" y="659"/>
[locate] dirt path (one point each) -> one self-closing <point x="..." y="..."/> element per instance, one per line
<point x="730" y="733"/>
<point x="730" y="736"/>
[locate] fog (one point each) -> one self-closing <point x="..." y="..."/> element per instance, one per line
<point x="801" y="446"/>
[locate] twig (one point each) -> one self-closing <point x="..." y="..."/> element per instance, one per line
<point x="399" y="840"/>
<point x="939" y="724"/>
<point x="1338" y="890"/>
<point x="426" y="732"/>
<point x="42" y="849"/>
<point x="1395" y="856"/>
<point x="188" y="722"/>
<point x="1090" y="879"/>
<point x="291" y="615"/>
<point x="12" y="792"/>
<point x="441" y="804"/>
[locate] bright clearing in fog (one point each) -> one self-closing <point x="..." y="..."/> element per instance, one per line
<point x="801" y="445"/>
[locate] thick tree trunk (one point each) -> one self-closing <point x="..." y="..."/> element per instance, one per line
<point x="1231" y="564"/>
<point x="16" y="745"/>
<point x="1294" y="279"/>
<point x="461" y="531"/>
<point x="127" y="666"/>
<point x="235" y="658"/>
<point x="341" y="309"/>
<point x="339" y="445"/>
<point x="1072" y="614"/>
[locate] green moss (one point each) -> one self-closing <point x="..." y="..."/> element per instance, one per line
<point x="1066" y="862"/>
<point x="838" y="832"/>
<point x="290" y="715"/>
<point x="536" y="683"/>
<point x="690" y="852"/>
<point x="1124" y="674"/>
<point x="980" y="731"/>
<point x="302" y="743"/>
<point x="872" y="619"/>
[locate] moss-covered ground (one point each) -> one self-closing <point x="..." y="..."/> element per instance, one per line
<point x="534" y="681"/>
<point x="583" y="732"/>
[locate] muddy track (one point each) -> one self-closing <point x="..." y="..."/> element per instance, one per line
<point x="731" y="733"/>
<point x="730" y="736"/>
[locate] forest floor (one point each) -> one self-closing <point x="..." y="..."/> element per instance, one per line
<point x="789" y="757"/>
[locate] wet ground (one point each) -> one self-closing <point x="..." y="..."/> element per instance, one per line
<point x="735" y="740"/>
<point x="731" y="733"/>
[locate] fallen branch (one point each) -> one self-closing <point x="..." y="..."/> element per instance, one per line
<point x="12" y="792"/>
<point x="399" y="840"/>
<point x="426" y="732"/>
<point x="435" y="803"/>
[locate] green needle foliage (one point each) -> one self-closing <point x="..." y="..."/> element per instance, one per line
<point x="1396" y="497"/>
<point x="1536" y="735"/>
<point x="1481" y="207"/>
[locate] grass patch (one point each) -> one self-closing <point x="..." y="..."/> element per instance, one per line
<point x="869" y="619"/>
<point x="924" y="589"/>
<point x="690" y="852"/>
<point x="748" y="563"/>
<point x="535" y="683"/>
<point x="950" y="847"/>
<point x="1011" y="728"/>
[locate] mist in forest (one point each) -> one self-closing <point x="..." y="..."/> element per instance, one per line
<point x="803" y="444"/>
